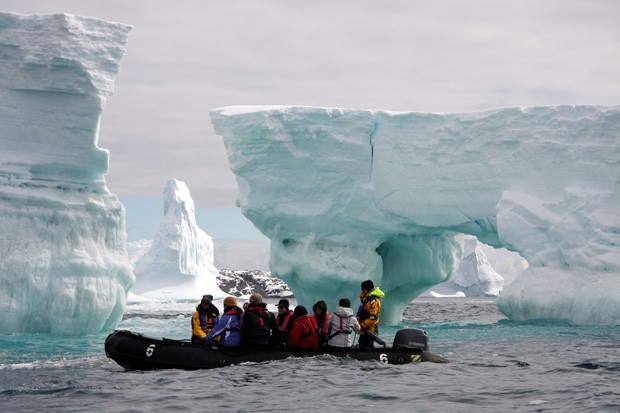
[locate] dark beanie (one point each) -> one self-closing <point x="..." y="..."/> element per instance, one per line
<point x="368" y="285"/>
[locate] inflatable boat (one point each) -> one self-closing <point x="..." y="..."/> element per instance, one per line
<point x="135" y="351"/>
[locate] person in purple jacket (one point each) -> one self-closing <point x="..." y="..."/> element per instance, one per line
<point x="228" y="328"/>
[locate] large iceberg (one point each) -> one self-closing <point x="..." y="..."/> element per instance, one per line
<point x="346" y="195"/>
<point x="179" y="262"/>
<point x="63" y="264"/>
<point x="474" y="277"/>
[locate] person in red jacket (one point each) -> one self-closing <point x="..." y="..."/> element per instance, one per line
<point x="303" y="333"/>
<point x="321" y="318"/>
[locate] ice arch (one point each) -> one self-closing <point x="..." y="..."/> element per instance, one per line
<point x="346" y="195"/>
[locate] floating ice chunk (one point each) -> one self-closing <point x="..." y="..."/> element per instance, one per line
<point x="458" y="294"/>
<point x="346" y="195"/>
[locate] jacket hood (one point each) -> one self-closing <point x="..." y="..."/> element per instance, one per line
<point x="322" y="305"/>
<point x="343" y="311"/>
<point x="376" y="293"/>
<point x="258" y="304"/>
<point x="203" y="310"/>
<point x="306" y="319"/>
<point x="234" y="310"/>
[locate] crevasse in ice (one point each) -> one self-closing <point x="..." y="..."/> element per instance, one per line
<point x="346" y="195"/>
<point x="63" y="264"/>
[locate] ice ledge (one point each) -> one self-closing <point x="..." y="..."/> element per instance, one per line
<point x="61" y="52"/>
<point x="57" y="72"/>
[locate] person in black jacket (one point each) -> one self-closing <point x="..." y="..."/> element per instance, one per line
<point x="259" y="329"/>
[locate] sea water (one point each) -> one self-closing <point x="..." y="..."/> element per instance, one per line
<point x="495" y="366"/>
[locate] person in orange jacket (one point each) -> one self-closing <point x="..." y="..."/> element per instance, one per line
<point x="368" y="313"/>
<point x="303" y="333"/>
<point x="203" y="320"/>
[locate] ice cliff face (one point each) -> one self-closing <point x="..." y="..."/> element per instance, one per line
<point x="63" y="265"/>
<point x="346" y="195"/>
<point x="179" y="263"/>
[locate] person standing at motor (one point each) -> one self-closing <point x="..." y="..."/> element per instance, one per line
<point x="203" y="320"/>
<point x="259" y="329"/>
<point x="368" y="313"/>
<point x="228" y="329"/>
<point x="284" y="320"/>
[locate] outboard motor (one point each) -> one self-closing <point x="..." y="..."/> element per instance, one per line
<point x="411" y="338"/>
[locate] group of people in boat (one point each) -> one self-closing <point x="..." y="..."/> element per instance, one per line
<point x="255" y="327"/>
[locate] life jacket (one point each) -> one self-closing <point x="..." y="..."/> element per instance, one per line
<point x="207" y="321"/>
<point x="234" y="311"/>
<point x="225" y="332"/>
<point x="363" y="313"/>
<point x="304" y="334"/>
<point x="285" y="320"/>
<point x="324" y="329"/>
<point x="260" y="311"/>
<point x="202" y="322"/>
<point x="341" y="329"/>
<point x="258" y="326"/>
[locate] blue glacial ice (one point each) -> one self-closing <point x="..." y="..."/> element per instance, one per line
<point x="63" y="264"/>
<point x="345" y="195"/>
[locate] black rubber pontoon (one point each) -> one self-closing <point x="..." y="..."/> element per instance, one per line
<point x="135" y="351"/>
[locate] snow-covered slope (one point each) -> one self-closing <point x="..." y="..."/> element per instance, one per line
<point x="346" y="195"/>
<point x="63" y="264"/>
<point x="179" y="261"/>
<point x="243" y="282"/>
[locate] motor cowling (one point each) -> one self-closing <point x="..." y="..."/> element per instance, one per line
<point x="411" y="338"/>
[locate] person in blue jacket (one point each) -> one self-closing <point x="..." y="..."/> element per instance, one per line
<point x="228" y="328"/>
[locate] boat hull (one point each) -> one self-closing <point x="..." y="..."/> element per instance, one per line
<point x="135" y="351"/>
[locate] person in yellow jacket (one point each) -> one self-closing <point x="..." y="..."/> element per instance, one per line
<point x="203" y="320"/>
<point x="368" y="313"/>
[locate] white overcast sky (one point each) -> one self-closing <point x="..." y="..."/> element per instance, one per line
<point x="185" y="58"/>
